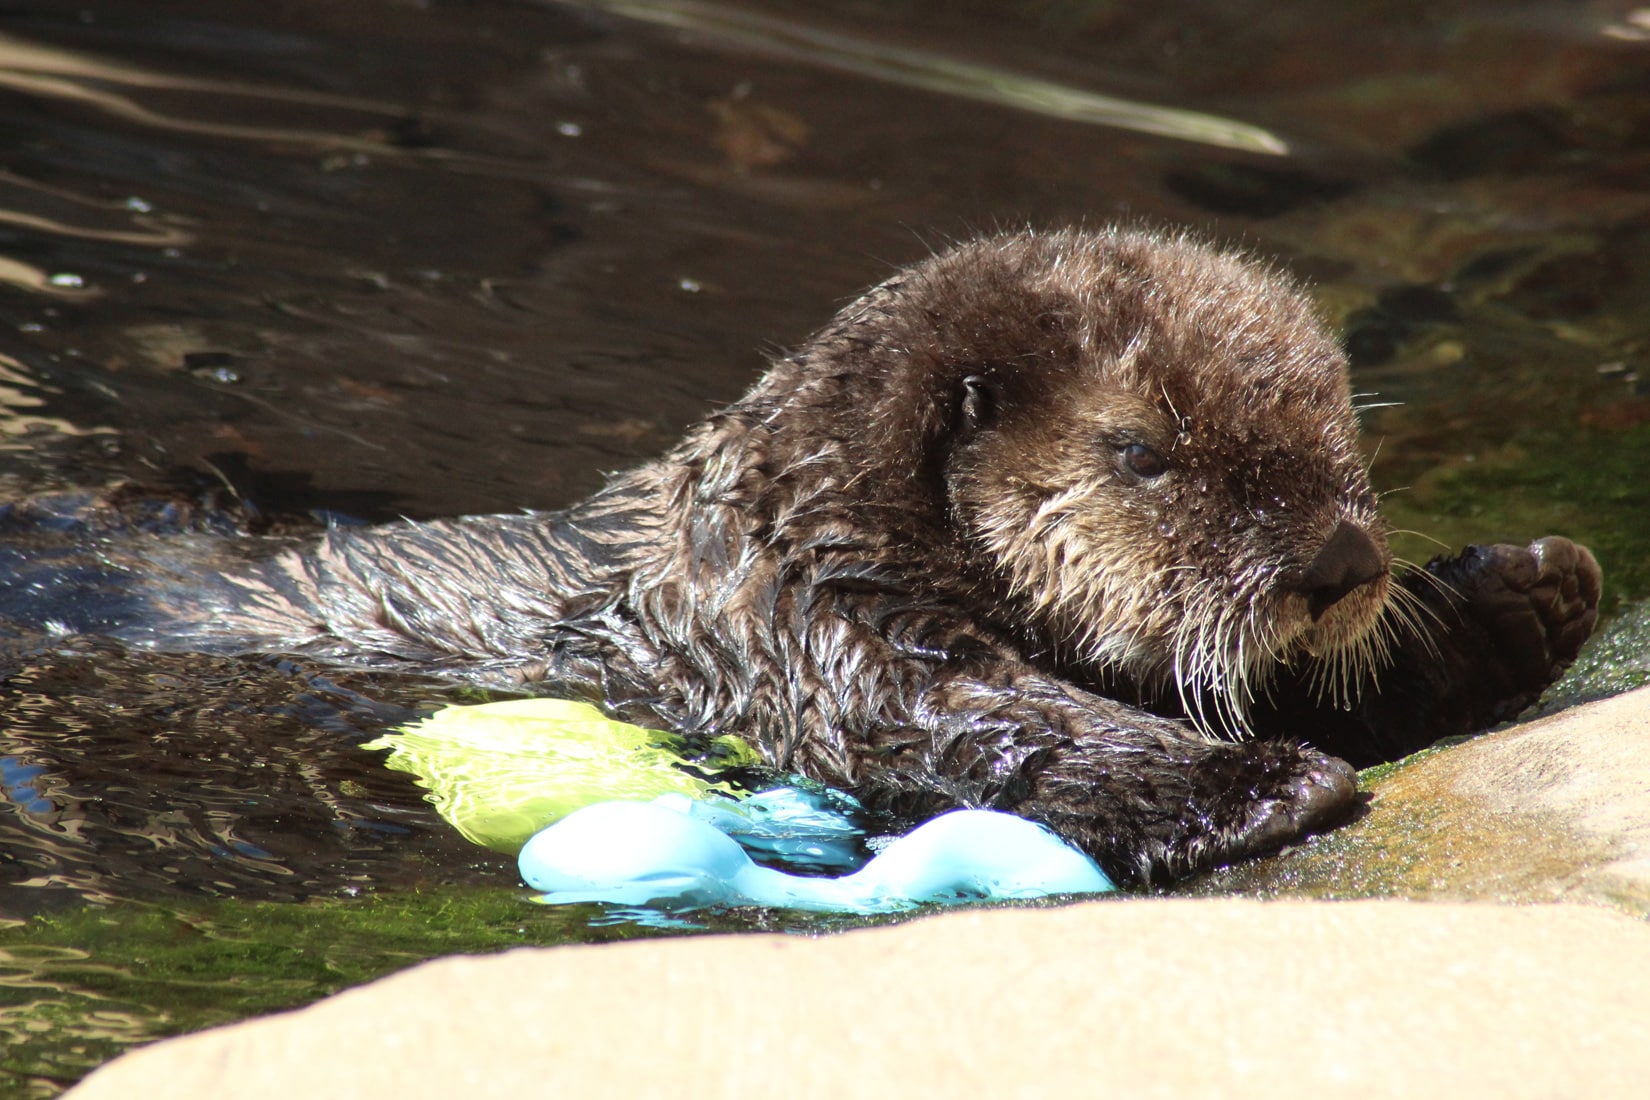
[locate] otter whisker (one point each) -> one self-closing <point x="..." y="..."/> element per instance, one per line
<point x="1408" y="611"/>
<point x="1439" y="585"/>
<point x="1419" y="535"/>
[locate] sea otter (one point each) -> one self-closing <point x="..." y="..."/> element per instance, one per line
<point x="1072" y="524"/>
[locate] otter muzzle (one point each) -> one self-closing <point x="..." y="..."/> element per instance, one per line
<point x="1348" y="559"/>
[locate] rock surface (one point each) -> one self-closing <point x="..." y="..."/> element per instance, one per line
<point x="1137" y="997"/>
<point x="1557" y="809"/>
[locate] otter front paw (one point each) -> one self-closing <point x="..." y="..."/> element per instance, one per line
<point x="1278" y="794"/>
<point x="1536" y="606"/>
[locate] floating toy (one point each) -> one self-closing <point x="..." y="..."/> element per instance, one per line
<point x="814" y="828"/>
<point x="606" y="811"/>
<point x="649" y="853"/>
<point x="500" y="772"/>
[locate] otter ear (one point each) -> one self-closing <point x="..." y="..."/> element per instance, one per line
<point x="980" y="401"/>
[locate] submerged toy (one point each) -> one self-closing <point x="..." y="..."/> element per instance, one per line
<point x="621" y="814"/>
<point x="814" y="828"/>
<point x="640" y="853"/>
<point x="500" y="772"/>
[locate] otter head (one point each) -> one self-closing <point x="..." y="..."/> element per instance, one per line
<point x="1151" y="447"/>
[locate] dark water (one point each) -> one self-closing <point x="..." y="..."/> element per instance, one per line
<point x="399" y="258"/>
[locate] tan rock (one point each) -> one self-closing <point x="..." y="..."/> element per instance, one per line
<point x="1556" y="809"/>
<point x="1589" y="768"/>
<point x="1138" y="998"/>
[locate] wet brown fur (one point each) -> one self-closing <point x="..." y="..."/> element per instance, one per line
<point x="910" y="562"/>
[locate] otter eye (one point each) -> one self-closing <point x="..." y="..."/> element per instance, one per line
<point x="979" y="403"/>
<point x="1140" y="461"/>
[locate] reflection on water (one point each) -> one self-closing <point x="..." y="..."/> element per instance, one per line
<point x="381" y="259"/>
<point x="82" y="80"/>
<point x="751" y="33"/>
<point x="138" y="776"/>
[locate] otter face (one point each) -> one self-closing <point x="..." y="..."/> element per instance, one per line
<point x="1176" y="494"/>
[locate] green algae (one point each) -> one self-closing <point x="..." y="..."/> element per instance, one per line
<point x="82" y="986"/>
<point x="1615" y="660"/>
<point x="1421" y="838"/>
<point x="1587" y="484"/>
<point x="79" y="987"/>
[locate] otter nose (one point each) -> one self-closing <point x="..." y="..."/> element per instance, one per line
<point x="1348" y="558"/>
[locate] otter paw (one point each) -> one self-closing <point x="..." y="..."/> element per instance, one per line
<point x="1565" y="595"/>
<point x="1320" y="795"/>
<point x="1538" y="603"/>
<point x="1299" y="796"/>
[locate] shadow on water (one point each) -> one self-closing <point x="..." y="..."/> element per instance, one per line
<point x="378" y="259"/>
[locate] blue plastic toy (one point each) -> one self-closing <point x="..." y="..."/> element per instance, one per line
<point x="652" y="853"/>
<point x="578" y="783"/>
<point x="816" y="828"/>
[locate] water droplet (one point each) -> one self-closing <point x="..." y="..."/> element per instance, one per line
<point x="690" y="286"/>
<point x="569" y="129"/>
<point x="67" y="279"/>
<point x="215" y="366"/>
